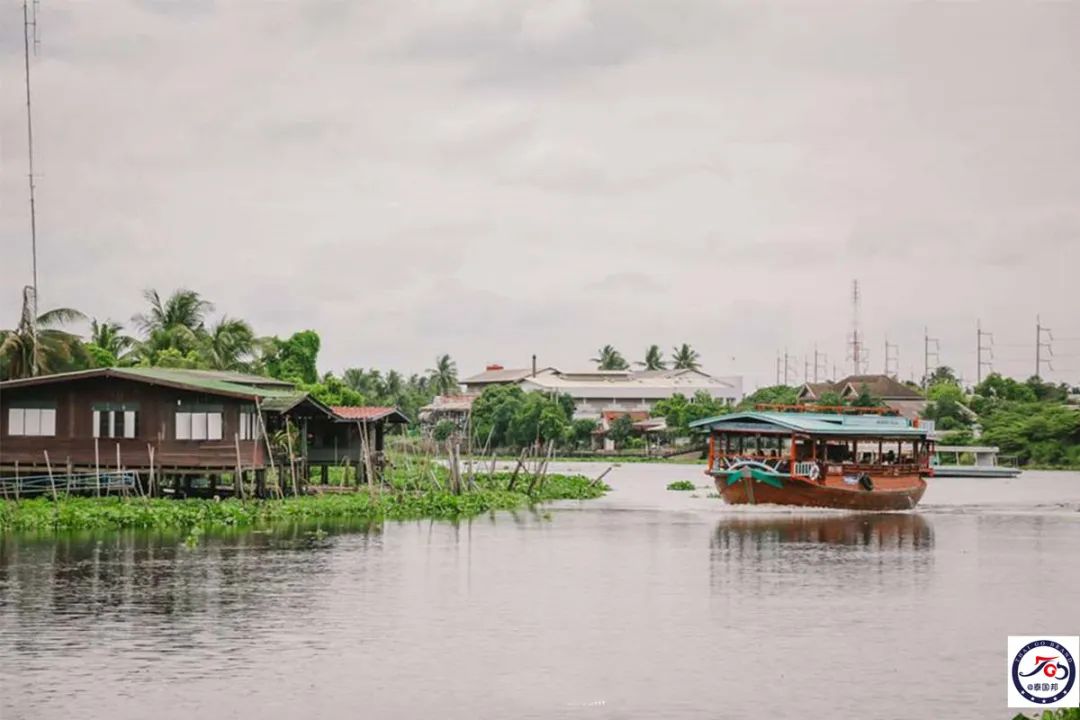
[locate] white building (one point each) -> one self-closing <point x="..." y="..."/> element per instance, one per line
<point x="598" y="391"/>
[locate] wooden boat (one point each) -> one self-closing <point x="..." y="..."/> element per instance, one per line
<point x="946" y="462"/>
<point x="848" y="458"/>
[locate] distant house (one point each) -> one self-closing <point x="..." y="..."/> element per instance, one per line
<point x="455" y="408"/>
<point x="597" y="391"/>
<point x="906" y="400"/>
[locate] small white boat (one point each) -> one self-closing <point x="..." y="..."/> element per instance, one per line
<point x="947" y="462"/>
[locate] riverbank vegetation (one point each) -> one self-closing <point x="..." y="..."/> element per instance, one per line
<point x="499" y="491"/>
<point x="1030" y="420"/>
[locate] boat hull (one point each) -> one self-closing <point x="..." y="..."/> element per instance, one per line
<point x="889" y="493"/>
<point x="975" y="471"/>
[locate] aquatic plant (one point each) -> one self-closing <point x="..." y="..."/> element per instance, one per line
<point x="1063" y="714"/>
<point x="394" y="503"/>
<point x="681" y="485"/>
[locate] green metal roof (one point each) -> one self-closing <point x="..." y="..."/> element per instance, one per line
<point x="210" y="382"/>
<point x="814" y="424"/>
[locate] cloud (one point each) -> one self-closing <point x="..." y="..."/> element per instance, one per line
<point x="493" y="179"/>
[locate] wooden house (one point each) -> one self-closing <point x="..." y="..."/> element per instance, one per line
<point x="175" y="422"/>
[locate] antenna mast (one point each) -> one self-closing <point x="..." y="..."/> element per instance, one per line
<point x="27" y="24"/>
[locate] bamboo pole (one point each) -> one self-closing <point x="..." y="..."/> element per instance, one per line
<point x="52" y="483"/>
<point x="97" y="466"/>
<point x="18" y="482"/>
<point x="517" y="468"/>
<point x="238" y="481"/>
<point x="292" y="458"/>
<point x="150" y="479"/>
<point x="67" y="485"/>
<point x="269" y="450"/>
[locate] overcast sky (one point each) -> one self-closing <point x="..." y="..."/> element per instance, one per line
<point x="494" y="179"/>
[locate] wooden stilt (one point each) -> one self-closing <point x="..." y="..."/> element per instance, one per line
<point x="52" y="482"/>
<point x="97" y="467"/>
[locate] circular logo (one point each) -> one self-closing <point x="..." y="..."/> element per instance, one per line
<point x="1043" y="672"/>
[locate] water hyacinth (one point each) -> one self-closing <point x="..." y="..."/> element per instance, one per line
<point x="84" y="513"/>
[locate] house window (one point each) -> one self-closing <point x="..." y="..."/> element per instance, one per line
<point x="116" y="421"/>
<point x="196" y="423"/>
<point x="32" y="421"/>
<point x="249" y="425"/>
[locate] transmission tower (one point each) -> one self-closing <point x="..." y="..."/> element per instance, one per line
<point x="928" y="343"/>
<point x="1041" y="345"/>
<point x="981" y="348"/>
<point x="856" y="351"/>
<point x="892" y="359"/>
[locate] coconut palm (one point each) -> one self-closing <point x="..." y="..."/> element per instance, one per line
<point x="109" y="336"/>
<point x="685" y="358"/>
<point x="608" y="358"/>
<point x="55" y="349"/>
<point x="229" y="345"/>
<point x="443" y="377"/>
<point x="654" y="359"/>
<point x="184" y="309"/>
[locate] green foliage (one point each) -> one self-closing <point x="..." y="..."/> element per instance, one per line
<point x="581" y="431"/>
<point x="865" y="399"/>
<point x="681" y="485"/>
<point x="443" y="377"/>
<point x="1061" y="714"/>
<point x="99" y="357"/>
<point x="443" y="430"/>
<point x="512" y="417"/>
<point x="608" y="358"/>
<point x="620" y="430"/>
<point x="679" y="411"/>
<point x="654" y="359"/>
<point x="685" y="358"/>
<point x="831" y="399"/>
<point x="391" y="389"/>
<point x="173" y="358"/>
<point x="294" y="359"/>
<point x="941" y="374"/>
<point x="76" y="513"/>
<point x="331" y="390"/>
<point x="771" y="395"/>
<point x="946" y="406"/>
<point x="56" y="350"/>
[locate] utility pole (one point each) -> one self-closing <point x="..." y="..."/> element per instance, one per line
<point x="777" y="368"/>
<point x="27" y="24"/>
<point x="892" y="359"/>
<point x="928" y="353"/>
<point x="1039" y="345"/>
<point x="988" y="349"/>
<point x="787" y="362"/>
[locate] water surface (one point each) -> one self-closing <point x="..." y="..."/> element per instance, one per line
<point x="644" y="604"/>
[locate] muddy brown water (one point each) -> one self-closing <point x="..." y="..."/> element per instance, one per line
<point x="647" y="603"/>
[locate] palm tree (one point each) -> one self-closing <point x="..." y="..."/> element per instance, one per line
<point x="229" y="345"/>
<point x="444" y="379"/>
<point x="55" y="349"/>
<point x="393" y="386"/>
<point x="654" y="359"/>
<point x="609" y="358"/>
<point x="109" y="336"/>
<point x="177" y="323"/>
<point x="685" y="358"/>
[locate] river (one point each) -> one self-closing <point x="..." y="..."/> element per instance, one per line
<point x="647" y="603"/>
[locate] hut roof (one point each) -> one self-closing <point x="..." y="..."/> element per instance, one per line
<point x="369" y="413"/>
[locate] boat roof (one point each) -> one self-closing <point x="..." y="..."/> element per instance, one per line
<point x="814" y="424"/>
<point x="969" y="449"/>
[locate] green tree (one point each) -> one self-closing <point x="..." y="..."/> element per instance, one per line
<point x="865" y="399"/>
<point x="830" y="399"/>
<point x="331" y="390"/>
<point x="620" y="430"/>
<point x="685" y="358"/>
<point x="108" y="344"/>
<point x="295" y="358"/>
<point x="229" y="345"/>
<point x="608" y="358"/>
<point x="946" y="406"/>
<point x="770" y="395"/>
<point x="177" y="322"/>
<point x="56" y="349"/>
<point x="443" y="430"/>
<point x="654" y="359"/>
<point x="443" y="376"/>
<point x="942" y="373"/>
<point x="581" y="432"/>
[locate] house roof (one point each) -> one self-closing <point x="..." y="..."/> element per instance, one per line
<point x="502" y="375"/>
<point x="369" y="413"/>
<point x="815" y="424"/>
<point x="879" y="386"/>
<point x="648" y="384"/>
<point x="815" y="390"/>
<point x="459" y="403"/>
<point x="213" y="382"/>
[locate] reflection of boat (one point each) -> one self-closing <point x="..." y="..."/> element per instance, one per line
<point x="819" y="457"/>
<point x="869" y="530"/>
<point x="947" y="462"/>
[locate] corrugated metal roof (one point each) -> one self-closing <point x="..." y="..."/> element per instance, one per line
<point x="816" y="424"/>
<point x="370" y="413"/>
<point x="220" y="383"/>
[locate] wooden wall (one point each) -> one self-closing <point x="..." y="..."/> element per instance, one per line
<point x="74" y="441"/>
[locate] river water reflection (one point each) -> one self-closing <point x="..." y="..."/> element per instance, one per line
<point x="647" y="603"/>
